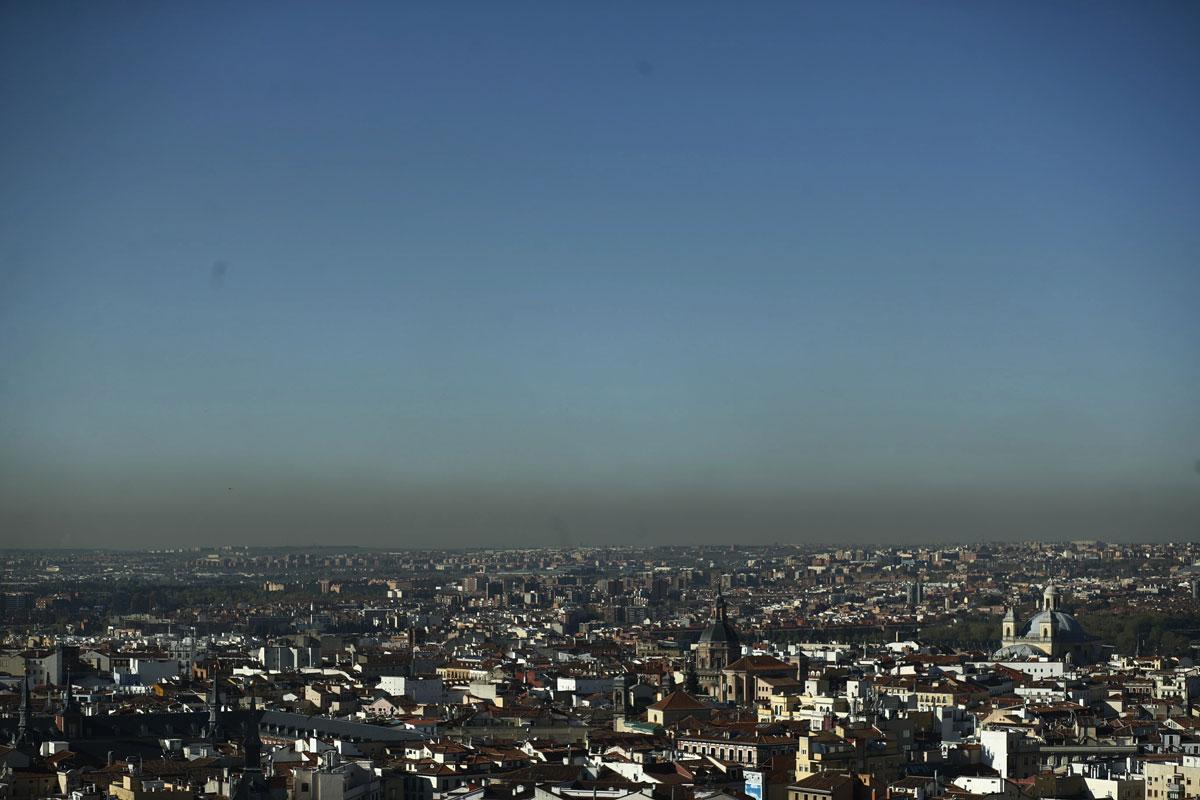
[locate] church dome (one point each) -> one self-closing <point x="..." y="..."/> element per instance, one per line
<point x="1066" y="628"/>
<point x="720" y="631"/>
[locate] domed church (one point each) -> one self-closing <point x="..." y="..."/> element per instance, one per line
<point x="1051" y="632"/>
<point x="719" y="646"/>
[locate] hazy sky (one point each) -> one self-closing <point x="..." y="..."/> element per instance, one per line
<point x="412" y="274"/>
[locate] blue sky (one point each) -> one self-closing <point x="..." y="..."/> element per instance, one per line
<point x="377" y="272"/>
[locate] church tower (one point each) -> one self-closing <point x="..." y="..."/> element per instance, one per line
<point x="691" y="683"/>
<point x="620" y="698"/>
<point x="253" y="785"/>
<point x="70" y="720"/>
<point x="719" y="645"/>
<point x="1008" y="628"/>
<point x="213" y="730"/>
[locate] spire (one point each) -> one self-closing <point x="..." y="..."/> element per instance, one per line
<point x="69" y="704"/>
<point x="253" y="785"/>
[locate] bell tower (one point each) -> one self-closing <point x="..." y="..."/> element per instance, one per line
<point x="620" y="699"/>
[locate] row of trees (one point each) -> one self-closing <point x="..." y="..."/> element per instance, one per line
<point x="1150" y="634"/>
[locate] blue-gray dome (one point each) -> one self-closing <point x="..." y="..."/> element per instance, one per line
<point x="721" y="631"/>
<point x="1066" y="627"/>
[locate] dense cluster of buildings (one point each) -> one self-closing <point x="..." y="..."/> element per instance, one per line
<point x="740" y="673"/>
